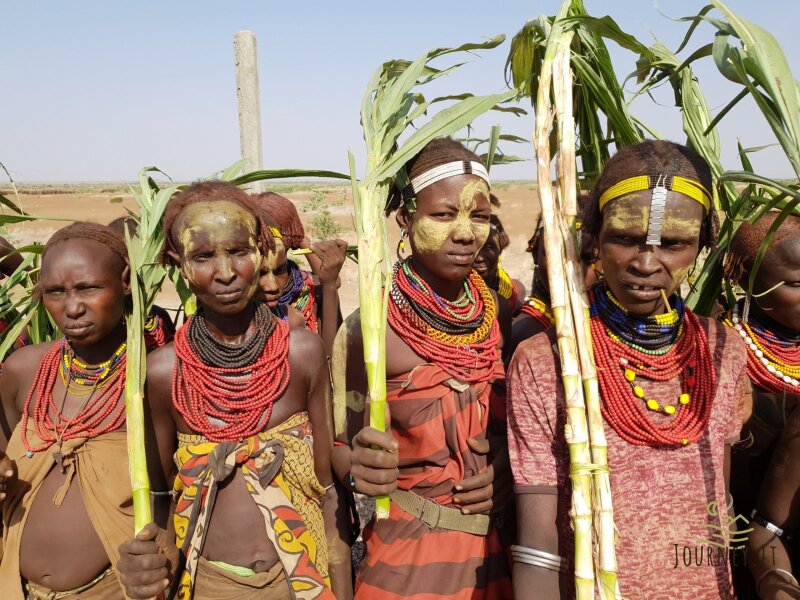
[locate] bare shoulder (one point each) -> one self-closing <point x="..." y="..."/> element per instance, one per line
<point x="19" y="371"/>
<point x="295" y="319"/>
<point x="25" y="361"/>
<point x="160" y="363"/>
<point x="306" y="352"/>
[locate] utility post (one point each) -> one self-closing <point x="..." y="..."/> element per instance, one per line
<point x="247" y="94"/>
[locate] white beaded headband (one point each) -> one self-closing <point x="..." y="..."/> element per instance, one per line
<point x="451" y="169"/>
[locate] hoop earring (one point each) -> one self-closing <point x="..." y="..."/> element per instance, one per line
<point x="401" y="245"/>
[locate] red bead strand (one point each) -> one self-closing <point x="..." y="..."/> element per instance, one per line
<point x="107" y="407"/>
<point x="240" y="398"/>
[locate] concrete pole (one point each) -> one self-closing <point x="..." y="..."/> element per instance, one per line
<point x="244" y="47"/>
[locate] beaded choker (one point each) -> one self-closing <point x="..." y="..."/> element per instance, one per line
<point x="299" y="292"/>
<point x="539" y="311"/>
<point x="650" y="335"/>
<point x="460" y="336"/>
<point x="101" y="412"/>
<point x="623" y="360"/>
<point x="225" y="392"/>
<point x="773" y="357"/>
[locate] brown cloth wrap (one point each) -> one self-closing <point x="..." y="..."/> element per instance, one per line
<point x="101" y="467"/>
<point x="214" y="583"/>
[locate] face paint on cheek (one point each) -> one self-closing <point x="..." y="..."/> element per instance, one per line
<point x="678" y="277"/>
<point x="428" y="236"/>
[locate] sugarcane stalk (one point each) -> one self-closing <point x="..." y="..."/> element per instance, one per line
<point x="602" y="505"/>
<point x="576" y="431"/>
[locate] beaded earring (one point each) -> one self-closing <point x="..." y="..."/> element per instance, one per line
<point x="401" y="245"/>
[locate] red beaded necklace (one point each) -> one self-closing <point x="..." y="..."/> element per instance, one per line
<point x="106" y="406"/>
<point x="241" y="398"/>
<point x="626" y="410"/>
<point x="538" y="311"/>
<point x="467" y="352"/>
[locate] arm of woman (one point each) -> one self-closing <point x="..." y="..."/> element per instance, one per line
<point x="337" y="529"/>
<point x="331" y="255"/>
<point x="536" y="528"/>
<point x="779" y="504"/>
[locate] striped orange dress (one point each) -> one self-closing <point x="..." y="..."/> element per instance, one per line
<point x="432" y="416"/>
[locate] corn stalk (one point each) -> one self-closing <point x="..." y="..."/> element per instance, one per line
<point x="388" y="109"/>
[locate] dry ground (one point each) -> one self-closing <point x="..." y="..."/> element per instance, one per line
<point x="103" y="203"/>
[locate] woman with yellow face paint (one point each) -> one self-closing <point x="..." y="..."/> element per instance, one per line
<point x="673" y="394"/>
<point x="241" y="404"/>
<point x="314" y="295"/>
<point x="444" y="464"/>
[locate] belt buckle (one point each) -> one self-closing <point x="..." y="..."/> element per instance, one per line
<point x="431" y="513"/>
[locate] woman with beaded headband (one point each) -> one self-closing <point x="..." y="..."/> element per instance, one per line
<point x="768" y="320"/>
<point x="247" y="401"/>
<point x="673" y="394"/>
<point x="64" y="481"/>
<point x="444" y="462"/>
<point x="315" y="295"/>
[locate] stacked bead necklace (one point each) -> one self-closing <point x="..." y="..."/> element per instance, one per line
<point x="459" y="336"/>
<point x="657" y="348"/>
<point x="299" y="292"/>
<point x="101" y="385"/>
<point x="539" y="311"/>
<point x="226" y="392"/>
<point x="155" y="335"/>
<point x="773" y="356"/>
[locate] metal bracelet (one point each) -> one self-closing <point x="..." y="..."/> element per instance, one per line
<point x="757" y="517"/>
<point x="538" y="558"/>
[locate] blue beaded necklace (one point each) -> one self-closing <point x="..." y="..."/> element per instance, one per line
<point x="652" y="335"/>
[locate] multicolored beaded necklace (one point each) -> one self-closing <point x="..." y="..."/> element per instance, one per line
<point x="97" y="415"/>
<point x="539" y="311"/>
<point x="155" y="335"/>
<point x="657" y="348"/>
<point x="226" y="392"/>
<point x="299" y="292"/>
<point x="773" y="355"/>
<point x="459" y="336"/>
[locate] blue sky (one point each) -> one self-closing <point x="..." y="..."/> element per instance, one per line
<point x="93" y="91"/>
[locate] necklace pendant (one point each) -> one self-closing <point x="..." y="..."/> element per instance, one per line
<point x="58" y="459"/>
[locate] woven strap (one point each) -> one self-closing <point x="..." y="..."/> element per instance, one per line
<point x="443" y="517"/>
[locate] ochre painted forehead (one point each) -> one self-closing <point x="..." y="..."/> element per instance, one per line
<point x="631" y="213"/>
<point x="218" y="219"/>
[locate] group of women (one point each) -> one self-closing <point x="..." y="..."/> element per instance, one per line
<point x="257" y="410"/>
